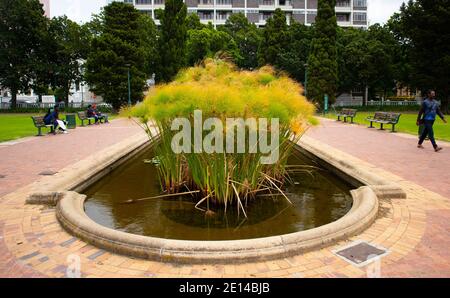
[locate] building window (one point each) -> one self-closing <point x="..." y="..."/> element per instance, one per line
<point x="360" y="3"/>
<point x="359" y="17"/>
<point x="343" y="3"/>
<point x="223" y="2"/>
<point x="205" y="2"/>
<point x="144" y="2"/>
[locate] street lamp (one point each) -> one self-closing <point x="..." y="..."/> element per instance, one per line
<point x="129" y="87"/>
<point x="306" y="79"/>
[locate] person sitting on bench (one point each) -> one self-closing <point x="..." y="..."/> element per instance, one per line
<point x="99" y="114"/>
<point x="92" y="114"/>
<point x="52" y="117"/>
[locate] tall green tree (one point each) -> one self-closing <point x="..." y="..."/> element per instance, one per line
<point x="275" y="39"/>
<point x="172" y="40"/>
<point x="424" y="28"/>
<point x="115" y="51"/>
<point x="295" y="56"/>
<point x="148" y="42"/>
<point x="68" y="52"/>
<point x="247" y="37"/>
<point x="23" y="29"/>
<point x="367" y="58"/>
<point x="207" y="42"/>
<point x="322" y="62"/>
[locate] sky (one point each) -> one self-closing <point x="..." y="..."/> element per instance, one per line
<point x="81" y="10"/>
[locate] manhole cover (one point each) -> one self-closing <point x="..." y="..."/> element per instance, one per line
<point x="360" y="253"/>
<point x="2" y="176"/>
<point x="47" y="173"/>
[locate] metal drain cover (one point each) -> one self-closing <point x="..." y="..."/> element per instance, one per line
<point x="360" y="253"/>
<point x="47" y="173"/>
<point x="2" y="176"/>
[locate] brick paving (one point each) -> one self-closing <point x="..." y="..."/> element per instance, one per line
<point x="23" y="160"/>
<point x="414" y="230"/>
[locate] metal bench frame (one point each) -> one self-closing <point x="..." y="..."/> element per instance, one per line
<point x="384" y="118"/>
<point x="83" y="117"/>
<point x="39" y="123"/>
<point x="347" y="113"/>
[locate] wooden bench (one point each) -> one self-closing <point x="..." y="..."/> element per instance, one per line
<point x="346" y="113"/>
<point x="39" y="123"/>
<point x="384" y="118"/>
<point x="83" y="117"/>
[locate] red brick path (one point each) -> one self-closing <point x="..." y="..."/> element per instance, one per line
<point x="21" y="161"/>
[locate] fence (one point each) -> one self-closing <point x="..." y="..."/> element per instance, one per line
<point x="372" y="103"/>
<point x="47" y="105"/>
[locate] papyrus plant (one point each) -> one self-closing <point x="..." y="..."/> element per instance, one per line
<point x="219" y="90"/>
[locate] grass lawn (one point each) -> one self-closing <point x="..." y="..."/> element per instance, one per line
<point x="407" y="124"/>
<point x="15" y="126"/>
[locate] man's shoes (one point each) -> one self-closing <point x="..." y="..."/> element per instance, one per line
<point x="420" y="146"/>
<point x="437" y="149"/>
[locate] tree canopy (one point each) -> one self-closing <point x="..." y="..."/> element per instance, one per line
<point x="322" y="62"/>
<point x="120" y="47"/>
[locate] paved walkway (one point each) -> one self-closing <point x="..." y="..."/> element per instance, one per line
<point x="415" y="230"/>
<point x="22" y="160"/>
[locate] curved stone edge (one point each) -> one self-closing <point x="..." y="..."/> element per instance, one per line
<point x="70" y="213"/>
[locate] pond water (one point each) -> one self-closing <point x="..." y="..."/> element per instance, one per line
<point x="318" y="198"/>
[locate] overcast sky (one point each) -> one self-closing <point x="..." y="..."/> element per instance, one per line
<point x="81" y="10"/>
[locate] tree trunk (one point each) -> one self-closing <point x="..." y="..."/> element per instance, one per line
<point x="13" y="99"/>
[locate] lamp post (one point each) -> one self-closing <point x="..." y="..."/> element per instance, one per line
<point x="129" y="85"/>
<point x="306" y="79"/>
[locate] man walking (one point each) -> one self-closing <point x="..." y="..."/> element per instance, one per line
<point x="430" y="108"/>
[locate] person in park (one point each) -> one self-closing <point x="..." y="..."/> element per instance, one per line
<point x="91" y="113"/>
<point x="99" y="114"/>
<point x="52" y="117"/>
<point x="429" y="110"/>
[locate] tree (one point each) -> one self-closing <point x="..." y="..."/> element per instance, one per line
<point x="117" y="50"/>
<point x="275" y="39"/>
<point x="148" y="40"/>
<point x="424" y="29"/>
<point x="69" y="51"/>
<point x="247" y="38"/>
<point x="293" y="59"/>
<point x="22" y="29"/>
<point x="322" y="62"/>
<point x="207" y="42"/>
<point x="193" y="22"/>
<point x="172" y="41"/>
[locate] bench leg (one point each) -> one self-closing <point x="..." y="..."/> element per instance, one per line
<point x="339" y="118"/>
<point x="393" y="127"/>
<point x="89" y="121"/>
<point x="39" y="132"/>
<point x="381" y="126"/>
<point x="345" y="119"/>
<point x="351" y="118"/>
<point x="371" y="124"/>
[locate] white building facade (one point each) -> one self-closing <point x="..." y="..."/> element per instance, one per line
<point x="349" y="13"/>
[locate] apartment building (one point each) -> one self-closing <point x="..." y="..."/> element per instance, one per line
<point x="350" y="13"/>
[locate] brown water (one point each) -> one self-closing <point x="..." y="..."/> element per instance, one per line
<point x="317" y="198"/>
